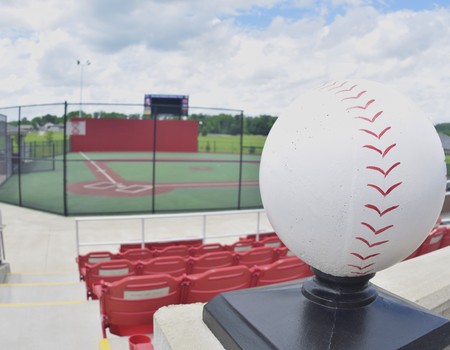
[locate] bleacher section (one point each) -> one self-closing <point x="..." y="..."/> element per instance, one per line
<point x="135" y="282"/>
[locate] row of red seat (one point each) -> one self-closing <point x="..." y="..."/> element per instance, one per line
<point x="184" y="251"/>
<point x="113" y="270"/>
<point x="190" y="243"/>
<point x="438" y="238"/>
<point x="127" y="306"/>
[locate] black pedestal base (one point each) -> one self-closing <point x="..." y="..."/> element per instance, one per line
<point x="284" y="318"/>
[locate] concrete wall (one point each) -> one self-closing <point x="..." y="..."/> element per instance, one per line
<point x="135" y="135"/>
<point x="424" y="280"/>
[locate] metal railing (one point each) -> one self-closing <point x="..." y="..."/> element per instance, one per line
<point x="2" y="244"/>
<point x="144" y="235"/>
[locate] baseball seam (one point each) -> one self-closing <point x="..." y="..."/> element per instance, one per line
<point x="377" y="132"/>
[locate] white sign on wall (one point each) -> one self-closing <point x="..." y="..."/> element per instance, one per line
<point x="77" y="127"/>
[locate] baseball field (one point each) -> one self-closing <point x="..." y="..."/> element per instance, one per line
<point x="137" y="182"/>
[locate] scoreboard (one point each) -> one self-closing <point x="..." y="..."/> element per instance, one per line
<point x="166" y="105"/>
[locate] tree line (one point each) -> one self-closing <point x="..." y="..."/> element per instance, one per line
<point x="208" y="124"/>
<point x="443" y="128"/>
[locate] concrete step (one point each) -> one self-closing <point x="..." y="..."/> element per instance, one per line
<point x="49" y="310"/>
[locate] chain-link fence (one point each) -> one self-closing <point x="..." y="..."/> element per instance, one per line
<point x="116" y="159"/>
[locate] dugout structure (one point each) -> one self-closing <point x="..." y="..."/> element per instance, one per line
<point x="116" y="160"/>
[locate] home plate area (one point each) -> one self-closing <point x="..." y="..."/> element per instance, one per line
<point x="116" y="189"/>
<point x="134" y="188"/>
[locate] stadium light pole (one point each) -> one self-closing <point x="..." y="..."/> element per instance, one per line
<point x="82" y="65"/>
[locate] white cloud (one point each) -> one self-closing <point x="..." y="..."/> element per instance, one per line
<point x="198" y="48"/>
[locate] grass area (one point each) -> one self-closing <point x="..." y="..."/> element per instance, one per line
<point x="252" y="144"/>
<point x="37" y="136"/>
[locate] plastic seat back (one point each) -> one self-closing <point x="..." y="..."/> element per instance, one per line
<point x="283" y="270"/>
<point x="127" y="246"/>
<point x="204" y="286"/>
<point x="206" y="248"/>
<point x="172" y="265"/>
<point x="210" y="261"/>
<point x="107" y="271"/>
<point x="256" y="256"/>
<point x="137" y="254"/>
<point x="273" y="242"/>
<point x="241" y="246"/>
<point x="128" y="305"/>
<point x="433" y="241"/>
<point x="180" y="250"/>
<point x="92" y="258"/>
<point x="446" y="239"/>
<point x="162" y="245"/>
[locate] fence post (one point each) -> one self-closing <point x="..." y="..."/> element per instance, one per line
<point x="143" y="233"/>
<point x="65" y="161"/>
<point x="240" y="160"/>
<point x="204" y="228"/>
<point x="19" y="156"/>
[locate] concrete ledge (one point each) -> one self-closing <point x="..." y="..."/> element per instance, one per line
<point x="4" y="270"/>
<point x="182" y="327"/>
<point x="424" y="280"/>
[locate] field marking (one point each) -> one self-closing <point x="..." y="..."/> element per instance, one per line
<point x="103" y="171"/>
<point x="36" y="284"/>
<point x="48" y="303"/>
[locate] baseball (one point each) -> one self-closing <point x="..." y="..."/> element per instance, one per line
<point x="352" y="177"/>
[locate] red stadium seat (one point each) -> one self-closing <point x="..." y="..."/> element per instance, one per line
<point x="180" y="250"/>
<point x="241" y="246"/>
<point x="204" y="286"/>
<point x="210" y="261"/>
<point x="446" y="240"/>
<point x="260" y="236"/>
<point x="107" y="271"/>
<point x="127" y="246"/>
<point x="162" y="245"/>
<point x="127" y="306"/>
<point x="172" y="265"/>
<point x="206" y="248"/>
<point x="92" y="258"/>
<point x="255" y="256"/>
<point x="137" y="254"/>
<point x="433" y="241"/>
<point x="273" y="242"/>
<point x="283" y="270"/>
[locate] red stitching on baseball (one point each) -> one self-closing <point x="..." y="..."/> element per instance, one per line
<point x="388" y="191"/>
<point x="361" y="267"/>
<point x="346" y="90"/>
<point x="362" y="273"/>
<point x="336" y="87"/>
<point x="384" y="172"/>
<point x="381" y="213"/>
<point x="371" y="245"/>
<point x="362" y="107"/>
<point x="359" y="256"/>
<point x="381" y="152"/>
<point x="374" y="230"/>
<point x="354" y="97"/>
<point x="370" y="120"/>
<point x="378" y="136"/>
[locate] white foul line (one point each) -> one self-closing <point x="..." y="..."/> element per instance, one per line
<point x="99" y="169"/>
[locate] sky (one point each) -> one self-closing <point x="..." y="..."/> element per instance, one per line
<point x="254" y="55"/>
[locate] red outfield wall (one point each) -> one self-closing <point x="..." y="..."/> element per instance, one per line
<point x="127" y="135"/>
